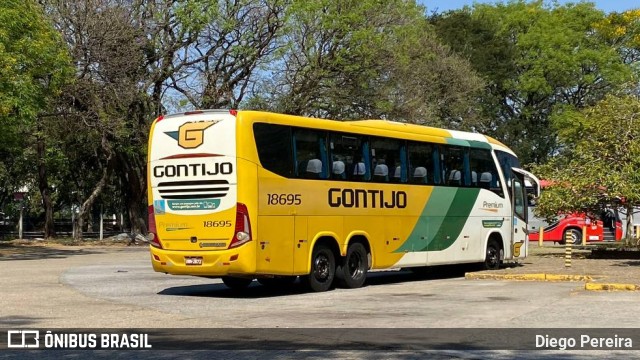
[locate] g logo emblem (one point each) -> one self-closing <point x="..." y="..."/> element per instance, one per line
<point x="191" y="135"/>
<point x="516" y="248"/>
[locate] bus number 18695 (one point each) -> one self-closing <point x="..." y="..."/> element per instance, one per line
<point x="284" y="199"/>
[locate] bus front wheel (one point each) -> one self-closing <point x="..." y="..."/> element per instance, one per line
<point x="323" y="269"/>
<point x="236" y="283"/>
<point x="353" y="270"/>
<point x="492" y="257"/>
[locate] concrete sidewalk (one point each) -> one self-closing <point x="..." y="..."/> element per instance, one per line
<point x="549" y="264"/>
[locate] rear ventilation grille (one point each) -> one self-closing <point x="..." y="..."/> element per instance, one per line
<point x="199" y="189"/>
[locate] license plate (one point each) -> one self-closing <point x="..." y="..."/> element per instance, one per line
<point x="197" y="260"/>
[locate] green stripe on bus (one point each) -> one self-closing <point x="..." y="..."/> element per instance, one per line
<point x="480" y="144"/>
<point x="458" y="214"/>
<point x="430" y="219"/>
<point x="457" y="142"/>
<point x="444" y="215"/>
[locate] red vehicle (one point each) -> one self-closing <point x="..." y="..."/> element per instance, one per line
<point x="605" y="228"/>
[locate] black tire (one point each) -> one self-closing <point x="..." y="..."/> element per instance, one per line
<point x="277" y="282"/>
<point x="576" y="236"/>
<point x="352" y="272"/>
<point x="236" y="283"/>
<point x="323" y="269"/>
<point x="492" y="256"/>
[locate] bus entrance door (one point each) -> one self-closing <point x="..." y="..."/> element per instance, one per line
<point x="518" y="244"/>
<point x="519" y="206"/>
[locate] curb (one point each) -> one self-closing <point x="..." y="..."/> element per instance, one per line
<point x="611" y="287"/>
<point x="589" y="285"/>
<point x="528" y="277"/>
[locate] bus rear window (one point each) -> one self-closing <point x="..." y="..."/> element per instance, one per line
<point x="274" y="148"/>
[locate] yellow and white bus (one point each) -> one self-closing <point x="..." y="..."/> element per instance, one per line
<point x="248" y="195"/>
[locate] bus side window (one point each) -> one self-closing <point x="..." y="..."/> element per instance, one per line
<point x="481" y="162"/>
<point x="453" y="162"/>
<point x="486" y="178"/>
<point x="422" y="168"/>
<point x="346" y="157"/>
<point x="359" y="172"/>
<point x="314" y="169"/>
<point x="310" y="154"/>
<point x="401" y="166"/>
<point x="338" y="171"/>
<point x="397" y="174"/>
<point x="385" y="158"/>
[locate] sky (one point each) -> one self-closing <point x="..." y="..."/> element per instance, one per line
<point x="605" y="5"/>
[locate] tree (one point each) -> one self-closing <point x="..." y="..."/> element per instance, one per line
<point x="233" y="39"/>
<point x="128" y="58"/>
<point x="367" y="59"/>
<point x="602" y="163"/>
<point x="622" y="31"/>
<point x="34" y="66"/>
<point x="99" y="122"/>
<point x="538" y="60"/>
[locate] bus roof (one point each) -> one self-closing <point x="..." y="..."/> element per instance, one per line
<point x="373" y="127"/>
<point x="384" y="128"/>
<point x="426" y="130"/>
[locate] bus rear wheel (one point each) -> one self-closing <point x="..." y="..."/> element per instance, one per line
<point x="353" y="270"/>
<point x="236" y="283"/>
<point x="323" y="269"/>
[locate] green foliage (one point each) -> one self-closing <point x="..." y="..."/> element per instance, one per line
<point x="34" y="66"/>
<point x="368" y="59"/>
<point x="538" y="61"/>
<point x="622" y="31"/>
<point x="223" y="44"/>
<point x="602" y="163"/>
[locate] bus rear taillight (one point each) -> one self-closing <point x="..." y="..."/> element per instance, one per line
<point x="243" y="227"/>
<point x="152" y="235"/>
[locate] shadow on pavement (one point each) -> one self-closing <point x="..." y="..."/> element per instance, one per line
<point x="626" y="263"/>
<point x="37" y="252"/>
<point x="17" y="321"/>
<point x="377" y="278"/>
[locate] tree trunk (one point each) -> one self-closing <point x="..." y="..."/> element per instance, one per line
<point x="78" y="223"/>
<point x="629" y="241"/>
<point x="88" y="204"/>
<point x="43" y="186"/>
<point x="132" y="170"/>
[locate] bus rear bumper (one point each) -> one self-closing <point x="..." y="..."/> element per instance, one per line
<point x="238" y="261"/>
